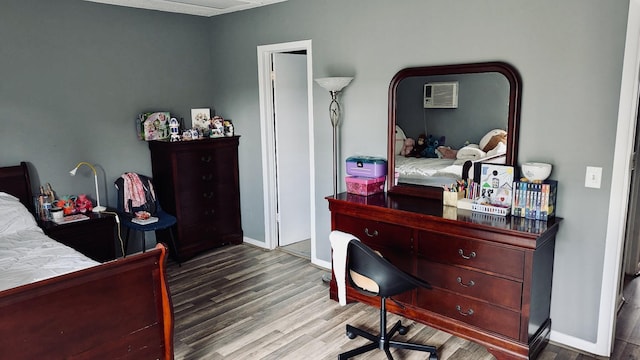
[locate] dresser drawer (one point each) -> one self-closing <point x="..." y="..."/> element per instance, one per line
<point x="492" y="289"/>
<point x="375" y="233"/>
<point x="392" y="241"/>
<point x="474" y="312"/>
<point x="480" y="255"/>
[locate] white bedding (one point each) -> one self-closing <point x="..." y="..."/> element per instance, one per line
<point x="419" y="168"/>
<point x="26" y="254"/>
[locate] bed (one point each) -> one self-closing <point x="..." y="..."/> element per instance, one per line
<point x="64" y="305"/>
<point x="447" y="165"/>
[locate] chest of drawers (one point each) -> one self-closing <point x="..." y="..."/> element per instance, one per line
<point x="491" y="275"/>
<point x="198" y="181"/>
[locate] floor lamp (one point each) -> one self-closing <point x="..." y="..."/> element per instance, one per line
<point x="334" y="85"/>
<point x="96" y="208"/>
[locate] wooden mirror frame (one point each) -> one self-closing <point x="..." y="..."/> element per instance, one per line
<point x="513" y="119"/>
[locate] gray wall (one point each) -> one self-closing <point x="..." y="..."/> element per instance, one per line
<point x="563" y="50"/>
<point x="483" y="105"/>
<point x="74" y="74"/>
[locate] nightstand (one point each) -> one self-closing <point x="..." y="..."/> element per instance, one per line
<point x="93" y="237"/>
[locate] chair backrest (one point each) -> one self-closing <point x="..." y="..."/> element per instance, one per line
<point x="369" y="264"/>
<point x="136" y="193"/>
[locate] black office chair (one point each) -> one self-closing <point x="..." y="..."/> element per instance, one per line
<point x="371" y="274"/>
<point x="152" y="205"/>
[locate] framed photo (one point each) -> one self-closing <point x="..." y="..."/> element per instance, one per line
<point x="153" y="126"/>
<point x="496" y="184"/>
<point x="200" y="118"/>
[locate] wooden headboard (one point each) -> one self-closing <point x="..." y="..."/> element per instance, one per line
<point x="15" y="180"/>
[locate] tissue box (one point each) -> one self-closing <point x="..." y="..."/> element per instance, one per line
<point x="366" y="186"/>
<point x="368" y="166"/>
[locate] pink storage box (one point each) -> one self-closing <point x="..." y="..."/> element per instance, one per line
<point x="368" y="166"/>
<point x="364" y="185"/>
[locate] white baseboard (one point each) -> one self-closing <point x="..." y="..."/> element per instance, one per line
<point x="254" y="242"/>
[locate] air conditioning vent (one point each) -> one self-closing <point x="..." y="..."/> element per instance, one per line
<point x="441" y="95"/>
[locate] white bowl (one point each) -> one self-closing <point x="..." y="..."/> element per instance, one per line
<point x="536" y="171"/>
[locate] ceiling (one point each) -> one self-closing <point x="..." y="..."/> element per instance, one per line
<point x="192" y="7"/>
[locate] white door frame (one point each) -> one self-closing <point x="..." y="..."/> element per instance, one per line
<point x="268" y="140"/>
<point x="620" y="185"/>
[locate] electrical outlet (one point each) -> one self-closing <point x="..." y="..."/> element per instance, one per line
<point x="593" y="177"/>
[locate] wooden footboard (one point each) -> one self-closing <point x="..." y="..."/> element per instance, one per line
<point x="117" y="310"/>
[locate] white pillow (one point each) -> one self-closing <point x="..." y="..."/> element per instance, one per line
<point x="400" y="137"/>
<point x="485" y="139"/>
<point x="14" y="216"/>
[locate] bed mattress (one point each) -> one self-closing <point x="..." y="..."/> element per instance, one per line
<point x="27" y="255"/>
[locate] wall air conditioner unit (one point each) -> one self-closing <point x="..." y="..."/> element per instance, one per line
<point x="441" y="95"/>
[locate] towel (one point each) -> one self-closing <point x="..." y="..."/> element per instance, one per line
<point x="470" y="152"/>
<point x="339" y="243"/>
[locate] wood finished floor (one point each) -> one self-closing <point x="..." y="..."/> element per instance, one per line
<point x="242" y="302"/>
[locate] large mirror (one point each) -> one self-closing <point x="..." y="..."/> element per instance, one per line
<point x="443" y="119"/>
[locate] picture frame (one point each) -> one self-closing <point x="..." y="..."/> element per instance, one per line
<point x="153" y="125"/>
<point x="496" y="184"/>
<point x="200" y="118"/>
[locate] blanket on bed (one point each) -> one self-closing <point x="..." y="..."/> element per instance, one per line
<point x="26" y="254"/>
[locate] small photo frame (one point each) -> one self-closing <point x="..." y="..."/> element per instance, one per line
<point x="200" y="118"/>
<point x="496" y="184"/>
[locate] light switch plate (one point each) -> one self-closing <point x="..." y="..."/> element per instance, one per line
<point x="593" y="177"/>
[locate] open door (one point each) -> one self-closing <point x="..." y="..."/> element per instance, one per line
<point x="292" y="151"/>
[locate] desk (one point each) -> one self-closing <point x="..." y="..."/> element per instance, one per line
<point x="491" y="275"/>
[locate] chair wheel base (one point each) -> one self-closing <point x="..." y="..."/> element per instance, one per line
<point x="351" y="335"/>
<point x="402" y="330"/>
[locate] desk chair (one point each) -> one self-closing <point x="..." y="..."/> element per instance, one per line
<point x="127" y="214"/>
<point x="371" y="274"/>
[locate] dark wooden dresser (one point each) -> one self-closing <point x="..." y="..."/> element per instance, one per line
<point x="491" y="275"/>
<point x="198" y="182"/>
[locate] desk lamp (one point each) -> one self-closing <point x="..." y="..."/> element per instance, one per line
<point x="96" y="208"/>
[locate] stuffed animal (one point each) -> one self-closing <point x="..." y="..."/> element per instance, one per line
<point x="432" y="144"/>
<point x="407" y="147"/>
<point x="446" y="152"/>
<point x="419" y="146"/>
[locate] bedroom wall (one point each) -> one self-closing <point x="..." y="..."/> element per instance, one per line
<point x="74" y="76"/>
<point x="483" y="105"/>
<point x="563" y="50"/>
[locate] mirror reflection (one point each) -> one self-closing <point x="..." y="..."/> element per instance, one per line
<point x="443" y="119"/>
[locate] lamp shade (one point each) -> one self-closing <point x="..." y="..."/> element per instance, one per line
<point x="334" y="83"/>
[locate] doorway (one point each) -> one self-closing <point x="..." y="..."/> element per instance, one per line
<point x="619" y="201"/>
<point x="285" y="86"/>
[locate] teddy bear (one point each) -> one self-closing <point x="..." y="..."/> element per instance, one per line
<point x="407" y="147"/>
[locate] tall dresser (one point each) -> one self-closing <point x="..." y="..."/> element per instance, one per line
<point x="491" y="275"/>
<point x="198" y="182"/>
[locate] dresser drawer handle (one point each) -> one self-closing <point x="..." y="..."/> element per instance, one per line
<point x="469" y="284"/>
<point x="471" y="256"/>
<point x="468" y="313"/>
<point x="205" y="158"/>
<point x="375" y="232"/>
<point x="208" y="195"/>
<point x="207" y="177"/>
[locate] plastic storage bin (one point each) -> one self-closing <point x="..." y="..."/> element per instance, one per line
<point x="367" y="166"/>
<point x="366" y="186"/>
